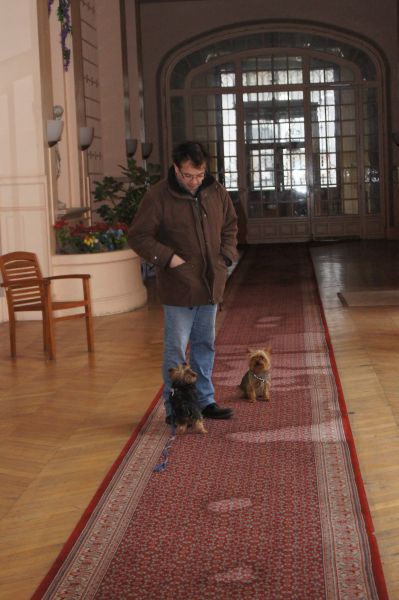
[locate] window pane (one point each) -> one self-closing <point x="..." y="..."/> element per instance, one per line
<point x="217" y="76"/>
<point x="322" y="71"/>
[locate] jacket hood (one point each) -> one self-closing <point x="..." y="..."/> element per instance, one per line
<point x="175" y="185"/>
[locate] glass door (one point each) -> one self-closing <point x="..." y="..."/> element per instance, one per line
<point x="335" y="152"/>
<point x="274" y="126"/>
<point x="294" y="139"/>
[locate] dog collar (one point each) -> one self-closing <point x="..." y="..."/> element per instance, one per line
<point x="262" y="379"/>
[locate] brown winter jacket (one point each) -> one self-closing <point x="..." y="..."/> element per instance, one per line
<point x="201" y="230"/>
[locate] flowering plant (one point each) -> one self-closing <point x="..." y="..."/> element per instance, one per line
<point x="81" y="239"/>
<point x="120" y="199"/>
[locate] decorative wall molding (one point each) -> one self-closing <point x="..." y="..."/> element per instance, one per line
<point x="90" y="6"/>
<point x="93" y="81"/>
<point x="22" y="193"/>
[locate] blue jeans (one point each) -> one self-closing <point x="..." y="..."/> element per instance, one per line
<point x="195" y="327"/>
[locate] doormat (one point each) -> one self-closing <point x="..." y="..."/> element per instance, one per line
<point x="360" y="298"/>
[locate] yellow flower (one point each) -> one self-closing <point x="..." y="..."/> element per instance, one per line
<point x="90" y="240"/>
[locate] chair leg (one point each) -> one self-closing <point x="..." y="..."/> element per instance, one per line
<point x="48" y="327"/>
<point x="50" y="337"/>
<point x="89" y="332"/>
<point x="45" y="334"/>
<point x="13" y="337"/>
<point x="88" y="316"/>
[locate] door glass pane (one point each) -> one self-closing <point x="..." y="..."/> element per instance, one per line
<point x="335" y="158"/>
<point x="275" y="147"/>
<point x="215" y="124"/>
<point x="371" y="154"/>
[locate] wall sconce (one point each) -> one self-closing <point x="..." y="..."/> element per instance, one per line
<point x="146" y="149"/>
<point x="54" y="131"/>
<point x="131" y="147"/>
<point x="86" y="135"/>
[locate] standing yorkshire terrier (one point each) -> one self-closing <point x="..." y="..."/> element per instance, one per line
<point x="256" y="382"/>
<point x="184" y="400"/>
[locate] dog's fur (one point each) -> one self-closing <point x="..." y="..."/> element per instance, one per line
<point x="184" y="400"/>
<point x="256" y="382"/>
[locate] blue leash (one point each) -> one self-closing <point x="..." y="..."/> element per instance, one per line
<point x="161" y="466"/>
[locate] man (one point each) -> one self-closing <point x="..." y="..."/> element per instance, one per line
<point x="186" y="226"/>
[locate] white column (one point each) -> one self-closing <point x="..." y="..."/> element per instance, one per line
<point x="24" y="215"/>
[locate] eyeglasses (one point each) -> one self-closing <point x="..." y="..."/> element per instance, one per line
<point x="190" y="177"/>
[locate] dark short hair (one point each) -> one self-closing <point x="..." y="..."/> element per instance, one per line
<point x="190" y="151"/>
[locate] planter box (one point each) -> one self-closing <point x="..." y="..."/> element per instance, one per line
<point x="116" y="282"/>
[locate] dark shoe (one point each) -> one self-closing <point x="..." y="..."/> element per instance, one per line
<point x="168" y="420"/>
<point x="213" y="411"/>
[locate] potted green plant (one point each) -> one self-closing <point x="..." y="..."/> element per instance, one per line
<point x="121" y="196"/>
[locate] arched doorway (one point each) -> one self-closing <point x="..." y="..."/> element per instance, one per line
<point x="293" y="123"/>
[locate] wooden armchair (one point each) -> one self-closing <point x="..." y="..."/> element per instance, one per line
<point x="27" y="290"/>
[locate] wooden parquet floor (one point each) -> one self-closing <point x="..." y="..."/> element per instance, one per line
<point x="63" y="423"/>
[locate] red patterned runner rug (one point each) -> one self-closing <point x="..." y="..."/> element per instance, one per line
<point x="269" y="505"/>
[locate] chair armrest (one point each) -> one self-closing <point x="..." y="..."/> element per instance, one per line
<point x="53" y="277"/>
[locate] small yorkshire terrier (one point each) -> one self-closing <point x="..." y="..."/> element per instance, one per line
<point x="256" y="382"/>
<point x="184" y="399"/>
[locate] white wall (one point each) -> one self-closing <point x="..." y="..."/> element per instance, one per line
<point x="24" y="218"/>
